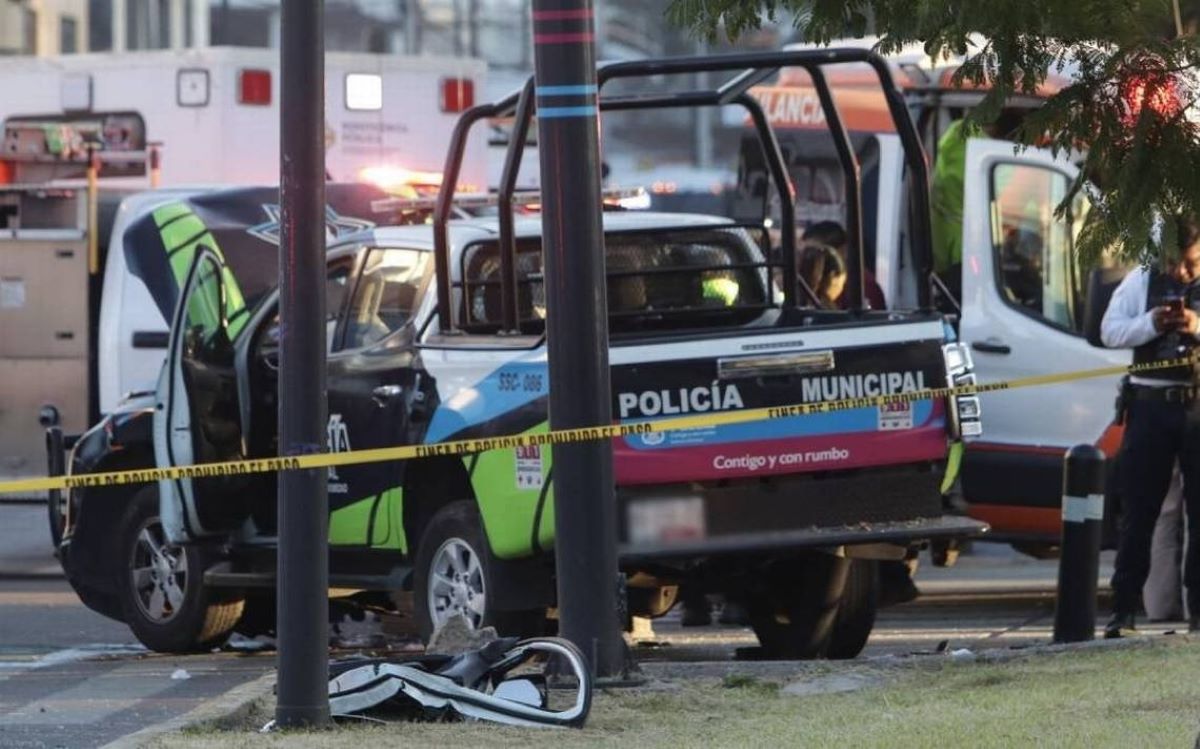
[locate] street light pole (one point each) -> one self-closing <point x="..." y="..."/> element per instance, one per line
<point x="577" y="329"/>
<point x="303" y="572"/>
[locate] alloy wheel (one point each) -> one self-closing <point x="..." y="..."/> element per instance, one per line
<point x="456" y="585"/>
<point x="158" y="573"/>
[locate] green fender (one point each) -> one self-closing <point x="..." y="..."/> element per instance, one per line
<point x="515" y="498"/>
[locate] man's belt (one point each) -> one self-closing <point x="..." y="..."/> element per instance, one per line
<point x="1168" y="393"/>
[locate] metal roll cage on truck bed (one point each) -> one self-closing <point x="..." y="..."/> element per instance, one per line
<point x="754" y="69"/>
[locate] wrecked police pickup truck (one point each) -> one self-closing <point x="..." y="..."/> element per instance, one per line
<point x="437" y="333"/>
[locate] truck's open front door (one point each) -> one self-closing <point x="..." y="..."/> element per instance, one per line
<point x="197" y="419"/>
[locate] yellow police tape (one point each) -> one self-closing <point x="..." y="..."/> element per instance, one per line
<point x="558" y="437"/>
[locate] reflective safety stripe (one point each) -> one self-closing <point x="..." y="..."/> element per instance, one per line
<point x="183" y="233"/>
<point x="1082" y="509"/>
<point x="168" y="212"/>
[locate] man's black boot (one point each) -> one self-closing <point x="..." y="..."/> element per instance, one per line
<point x="1121" y="625"/>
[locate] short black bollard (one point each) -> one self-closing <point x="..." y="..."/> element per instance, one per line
<point x="1079" y="565"/>
<point x="55" y="466"/>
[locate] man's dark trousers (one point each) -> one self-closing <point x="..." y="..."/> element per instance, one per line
<point x="1156" y="432"/>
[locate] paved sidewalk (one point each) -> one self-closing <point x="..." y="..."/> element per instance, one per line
<point x="25" y="550"/>
<point x="82" y="699"/>
<point x="997" y="568"/>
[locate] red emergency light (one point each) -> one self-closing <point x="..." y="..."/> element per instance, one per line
<point x="458" y="94"/>
<point x="1147" y="86"/>
<point x="1159" y="94"/>
<point x="254" y="87"/>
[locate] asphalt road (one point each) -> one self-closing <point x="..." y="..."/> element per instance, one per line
<point x="71" y="678"/>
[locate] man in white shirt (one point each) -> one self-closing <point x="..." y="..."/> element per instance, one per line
<point x="1157" y="314"/>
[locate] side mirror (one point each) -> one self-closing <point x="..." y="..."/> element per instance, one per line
<point x="1100" y="286"/>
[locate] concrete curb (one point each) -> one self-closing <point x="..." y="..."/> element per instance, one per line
<point x="1138" y="642"/>
<point x="220" y="712"/>
<point x="682" y="671"/>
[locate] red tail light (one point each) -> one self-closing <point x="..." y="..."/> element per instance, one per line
<point x="458" y="94"/>
<point x="254" y="87"/>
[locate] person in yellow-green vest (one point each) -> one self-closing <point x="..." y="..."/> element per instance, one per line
<point x="946" y="196"/>
<point x="946" y="191"/>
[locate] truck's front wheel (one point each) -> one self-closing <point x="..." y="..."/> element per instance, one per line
<point x="163" y="597"/>
<point x="795" y="617"/>
<point x="454" y="576"/>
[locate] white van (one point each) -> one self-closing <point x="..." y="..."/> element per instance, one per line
<point x="1020" y="292"/>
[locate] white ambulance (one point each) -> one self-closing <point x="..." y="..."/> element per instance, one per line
<point x="214" y="113"/>
<point x="77" y="332"/>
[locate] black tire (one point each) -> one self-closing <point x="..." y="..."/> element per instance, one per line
<point x="795" y="618"/>
<point x="856" y="613"/>
<point x="200" y="618"/>
<point x="458" y="526"/>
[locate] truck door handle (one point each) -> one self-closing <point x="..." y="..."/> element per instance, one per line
<point x="150" y="339"/>
<point x="992" y="346"/>
<point x="384" y="393"/>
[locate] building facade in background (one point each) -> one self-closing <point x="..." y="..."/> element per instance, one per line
<point x="497" y="31"/>
<point x="43" y="27"/>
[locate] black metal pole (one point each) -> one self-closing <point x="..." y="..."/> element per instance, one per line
<point x="577" y="328"/>
<point x="1079" y="564"/>
<point x="303" y="575"/>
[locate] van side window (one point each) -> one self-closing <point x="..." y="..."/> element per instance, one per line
<point x="387" y="294"/>
<point x="1033" y="248"/>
